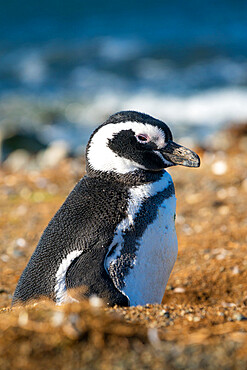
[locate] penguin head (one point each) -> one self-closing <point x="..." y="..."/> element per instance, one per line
<point x="130" y="141"/>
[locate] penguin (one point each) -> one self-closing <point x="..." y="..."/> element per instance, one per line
<point x="114" y="236"/>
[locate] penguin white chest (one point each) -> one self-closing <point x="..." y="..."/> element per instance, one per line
<point x="155" y="258"/>
<point x="145" y="244"/>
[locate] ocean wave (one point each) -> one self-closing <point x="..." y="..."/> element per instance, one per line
<point x="214" y="107"/>
<point x="72" y="118"/>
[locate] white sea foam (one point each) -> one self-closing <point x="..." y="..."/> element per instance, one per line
<point x="195" y="116"/>
<point x="207" y="92"/>
<point x="214" y="107"/>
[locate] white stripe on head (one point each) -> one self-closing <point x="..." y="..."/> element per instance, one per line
<point x="102" y="158"/>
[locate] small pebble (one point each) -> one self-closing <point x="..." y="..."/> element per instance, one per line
<point x="153" y="336"/>
<point x="4" y="257"/>
<point x="235" y="270"/>
<point x="166" y="314"/>
<point x="18" y="160"/>
<point x="95" y="301"/>
<point x="227" y="304"/>
<point x="179" y="290"/>
<point x="23" y="318"/>
<point x="219" y="167"/>
<point x="220" y="313"/>
<point x="20" y="242"/>
<point x="57" y="319"/>
<point x="239" y="317"/>
<point x="220" y="257"/>
<point x="196" y="319"/>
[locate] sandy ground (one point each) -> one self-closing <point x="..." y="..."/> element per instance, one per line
<point x="202" y="322"/>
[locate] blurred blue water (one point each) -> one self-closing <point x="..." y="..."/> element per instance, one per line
<point x="67" y="65"/>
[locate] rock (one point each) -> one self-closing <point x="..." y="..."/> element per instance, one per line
<point x="18" y="160"/>
<point x="57" y="151"/>
<point x="23" y="140"/>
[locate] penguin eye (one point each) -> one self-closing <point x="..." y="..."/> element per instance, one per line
<point x="142" y="138"/>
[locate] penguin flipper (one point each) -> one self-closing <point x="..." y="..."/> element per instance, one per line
<point x="95" y="282"/>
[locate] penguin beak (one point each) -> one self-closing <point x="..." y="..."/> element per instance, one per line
<point x="178" y="154"/>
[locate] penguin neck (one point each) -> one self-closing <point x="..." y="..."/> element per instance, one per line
<point x="132" y="178"/>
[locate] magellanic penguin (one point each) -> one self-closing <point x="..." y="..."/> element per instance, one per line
<point x="115" y="233"/>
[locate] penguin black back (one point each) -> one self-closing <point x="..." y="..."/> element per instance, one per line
<point x="85" y="224"/>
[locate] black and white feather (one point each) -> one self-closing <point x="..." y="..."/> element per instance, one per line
<point x="115" y="233"/>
